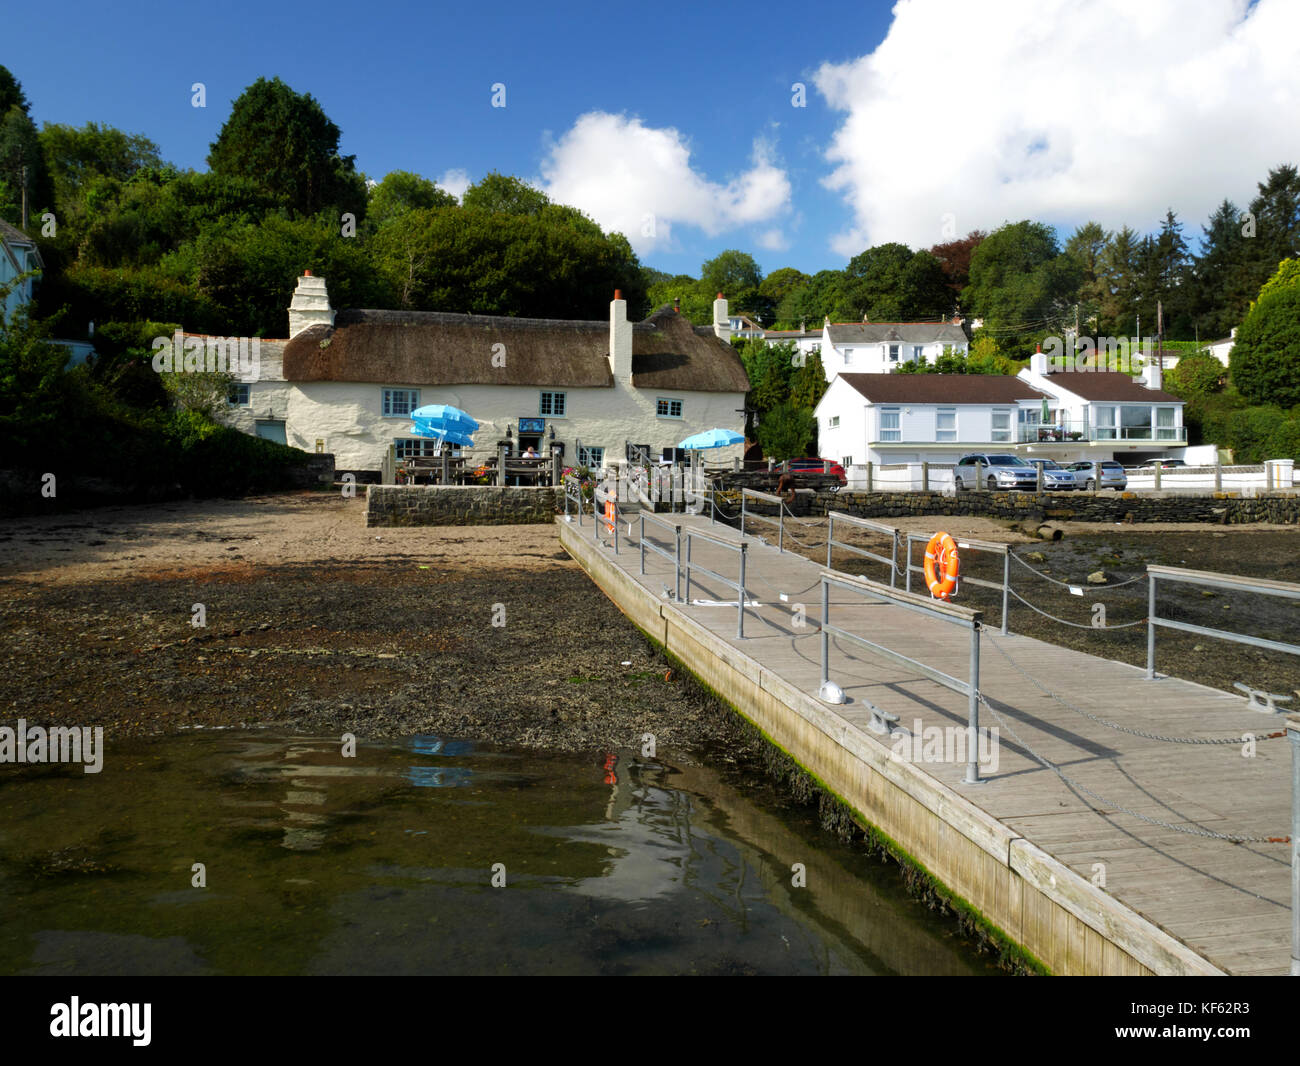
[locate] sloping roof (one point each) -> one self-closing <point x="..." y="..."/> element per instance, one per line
<point x="13" y="236"/>
<point x="1108" y="385"/>
<point x="435" y="348"/>
<point x="941" y="388"/>
<point x="897" y="333"/>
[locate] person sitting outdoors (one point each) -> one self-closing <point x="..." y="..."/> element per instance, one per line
<point x="530" y="453"/>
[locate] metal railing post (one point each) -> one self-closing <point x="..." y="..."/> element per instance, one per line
<point x="740" y="598"/>
<point x="973" y="710"/>
<point x="1293" y="731"/>
<point x="677" y="567"/>
<point x="742" y="512"/>
<point x="1006" y="585"/>
<point x="893" y="558"/>
<point x="688" y="570"/>
<point x="830" y="539"/>
<point x="780" y="526"/>
<point x="826" y="646"/>
<point x="641" y="542"/>
<point x="908" y="586"/>
<point x="1151" y="627"/>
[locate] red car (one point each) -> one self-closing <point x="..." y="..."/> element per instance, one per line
<point x="817" y="466"/>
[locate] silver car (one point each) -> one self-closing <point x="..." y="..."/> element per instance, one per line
<point x="1108" y="475"/>
<point x="1057" y="478"/>
<point x="997" y="470"/>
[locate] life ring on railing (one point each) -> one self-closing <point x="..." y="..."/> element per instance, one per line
<point x="941" y="566"/>
<point x="610" y="517"/>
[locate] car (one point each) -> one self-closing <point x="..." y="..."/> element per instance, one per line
<point x="813" y="465"/>
<point x="1107" y="475"/>
<point x="1057" y="478"/>
<point x="997" y="470"/>
<point x="1164" y="464"/>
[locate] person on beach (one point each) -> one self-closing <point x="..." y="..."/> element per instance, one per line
<point x="785" y="488"/>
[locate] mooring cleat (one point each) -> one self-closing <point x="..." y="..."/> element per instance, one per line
<point x="1260" y="700"/>
<point x="882" y="721"/>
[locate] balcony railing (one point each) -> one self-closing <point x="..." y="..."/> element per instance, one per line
<point x="1064" y="431"/>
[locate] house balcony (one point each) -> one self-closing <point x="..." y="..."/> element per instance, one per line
<point x="1075" y="431"/>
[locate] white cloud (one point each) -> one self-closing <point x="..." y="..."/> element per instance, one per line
<point x="1061" y="111"/>
<point x="774" y="240"/>
<point x="638" y="181"/>
<point x="455" y="181"/>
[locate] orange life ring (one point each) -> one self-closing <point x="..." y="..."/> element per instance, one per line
<point x="941" y="566"/>
<point x="609" y="515"/>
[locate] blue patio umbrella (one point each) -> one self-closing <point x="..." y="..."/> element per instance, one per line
<point x="463" y="440"/>
<point x="711" y="438"/>
<point x="444" y="423"/>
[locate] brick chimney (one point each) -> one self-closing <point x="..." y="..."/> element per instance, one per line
<point x="310" y="304"/>
<point x="721" y="321"/>
<point x="620" y="341"/>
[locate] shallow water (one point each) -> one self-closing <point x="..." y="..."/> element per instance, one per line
<point x="383" y="863"/>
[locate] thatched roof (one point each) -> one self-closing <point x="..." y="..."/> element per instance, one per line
<point x="434" y="348"/>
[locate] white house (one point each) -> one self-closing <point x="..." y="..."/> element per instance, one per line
<point x="912" y="418"/>
<point x="347" y="382"/>
<point x="1101" y="414"/>
<point x="881" y="347"/>
<point x="18" y="255"/>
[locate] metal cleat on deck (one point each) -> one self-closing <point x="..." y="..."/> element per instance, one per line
<point x="1260" y="700"/>
<point x="882" y="721"/>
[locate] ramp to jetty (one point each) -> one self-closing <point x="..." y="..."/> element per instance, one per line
<point x="1134" y="851"/>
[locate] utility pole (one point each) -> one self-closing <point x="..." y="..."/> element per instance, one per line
<point x="24" y="179"/>
<point x="1160" y="336"/>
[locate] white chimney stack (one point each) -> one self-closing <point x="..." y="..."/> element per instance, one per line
<point x="1151" y="376"/>
<point x="620" y="340"/>
<point x="310" y="304"/>
<point x="1038" y="362"/>
<point x="721" y="320"/>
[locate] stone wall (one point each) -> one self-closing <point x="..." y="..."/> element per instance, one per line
<point x="1223" y="508"/>
<point x="461" y="505"/>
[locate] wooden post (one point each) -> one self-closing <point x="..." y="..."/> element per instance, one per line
<point x="979" y="476"/>
<point x="1039" y="486"/>
<point x="925" y="476"/>
<point x="1157" y="477"/>
<point x="870" y="472"/>
<point x="501" y="465"/>
<point x="1218" y="471"/>
<point x="446" y="468"/>
<point x="555" y="467"/>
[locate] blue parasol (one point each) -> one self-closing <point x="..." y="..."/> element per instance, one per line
<point x="711" y="438"/>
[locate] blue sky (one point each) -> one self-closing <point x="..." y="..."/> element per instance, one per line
<point x="675" y="124"/>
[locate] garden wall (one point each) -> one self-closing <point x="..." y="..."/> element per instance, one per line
<point x="1222" y="508"/>
<point x="461" y="505"/>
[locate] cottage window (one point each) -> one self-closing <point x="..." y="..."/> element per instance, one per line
<point x="918" y="353"/>
<point x="668" y="408"/>
<point x="239" y="395"/>
<point x="399" y="403"/>
<point x="889" y="424"/>
<point x="833" y="422"/>
<point x="1001" y="426"/>
<point x="894" y="350"/>
<point x="945" y="424"/>
<point x="1165" y="428"/>
<point x="552" y="404"/>
<point x="420" y="447"/>
<point x="1104" y="419"/>
<point x="591" y="457"/>
<point x="848" y="356"/>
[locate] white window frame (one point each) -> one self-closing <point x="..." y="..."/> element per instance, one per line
<point x="1000" y="434"/>
<point x="388" y="406"/>
<point x="895" y="352"/>
<point x="833" y="422"/>
<point x="662" y="402"/>
<point x="586" y="453"/>
<point x="1105" y="428"/>
<point x="551" y="408"/>
<point x="848" y="356"/>
<point x="918" y="353"/>
<point x="1169" y="431"/>
<point x="896" y="429"/>
<point x="939" y="431"/>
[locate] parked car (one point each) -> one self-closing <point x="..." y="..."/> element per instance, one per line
<point x="814" y="465"/>
<point x="1111" y="474"/>
<point x="1164" y="464"/>
<point x="1057" y="478"/>
<point x="997" y="470"/>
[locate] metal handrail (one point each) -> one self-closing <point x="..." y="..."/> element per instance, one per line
<point x="910" y="601"/>
<point x="739" y="585"/>
<point x="779" y="520"/>
<point x="1229" y="582"/>
<point x="992" y="548"/>
<point x="598" y="517"/>
<point x="675" y="557"/>
<point x="879" y="527"/>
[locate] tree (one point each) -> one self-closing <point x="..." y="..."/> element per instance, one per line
<point x="285" y="142"/>
<point x="22" y="166"/>
<point x="1276" y="215"/>
<point x="820" y="298"/>
<point x="1265" y="360"/>
<point x="400" y="192"/>
<point x="808" y="384"/>
<point x="1287" y="273"/>
<point x="955" y="256"/>
<point x="786" y="431"/>
<point x="891" y="283"/>
<point x="500" y="193"/>
<point x="780" y="283"/>
<point x="1218" y="291"/>
<point x="1022" y="284"/>
<point x="11" y="93"/>
<point x="1197" y="374"/>
<point x="731" y="273"/>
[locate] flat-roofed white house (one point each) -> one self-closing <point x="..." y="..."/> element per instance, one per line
<point x="881" y="347"/>
<point x="346" y="382"/>
<point x="912" y="418"/>
<point x="1092" y="412"/>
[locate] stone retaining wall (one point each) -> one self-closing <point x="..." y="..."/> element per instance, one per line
<point x="461" y="505"/>
<point x="1223" y="508"/>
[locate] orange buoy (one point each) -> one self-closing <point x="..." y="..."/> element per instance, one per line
<point x="610" y="518"/>
<point x="941" y="566"/>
